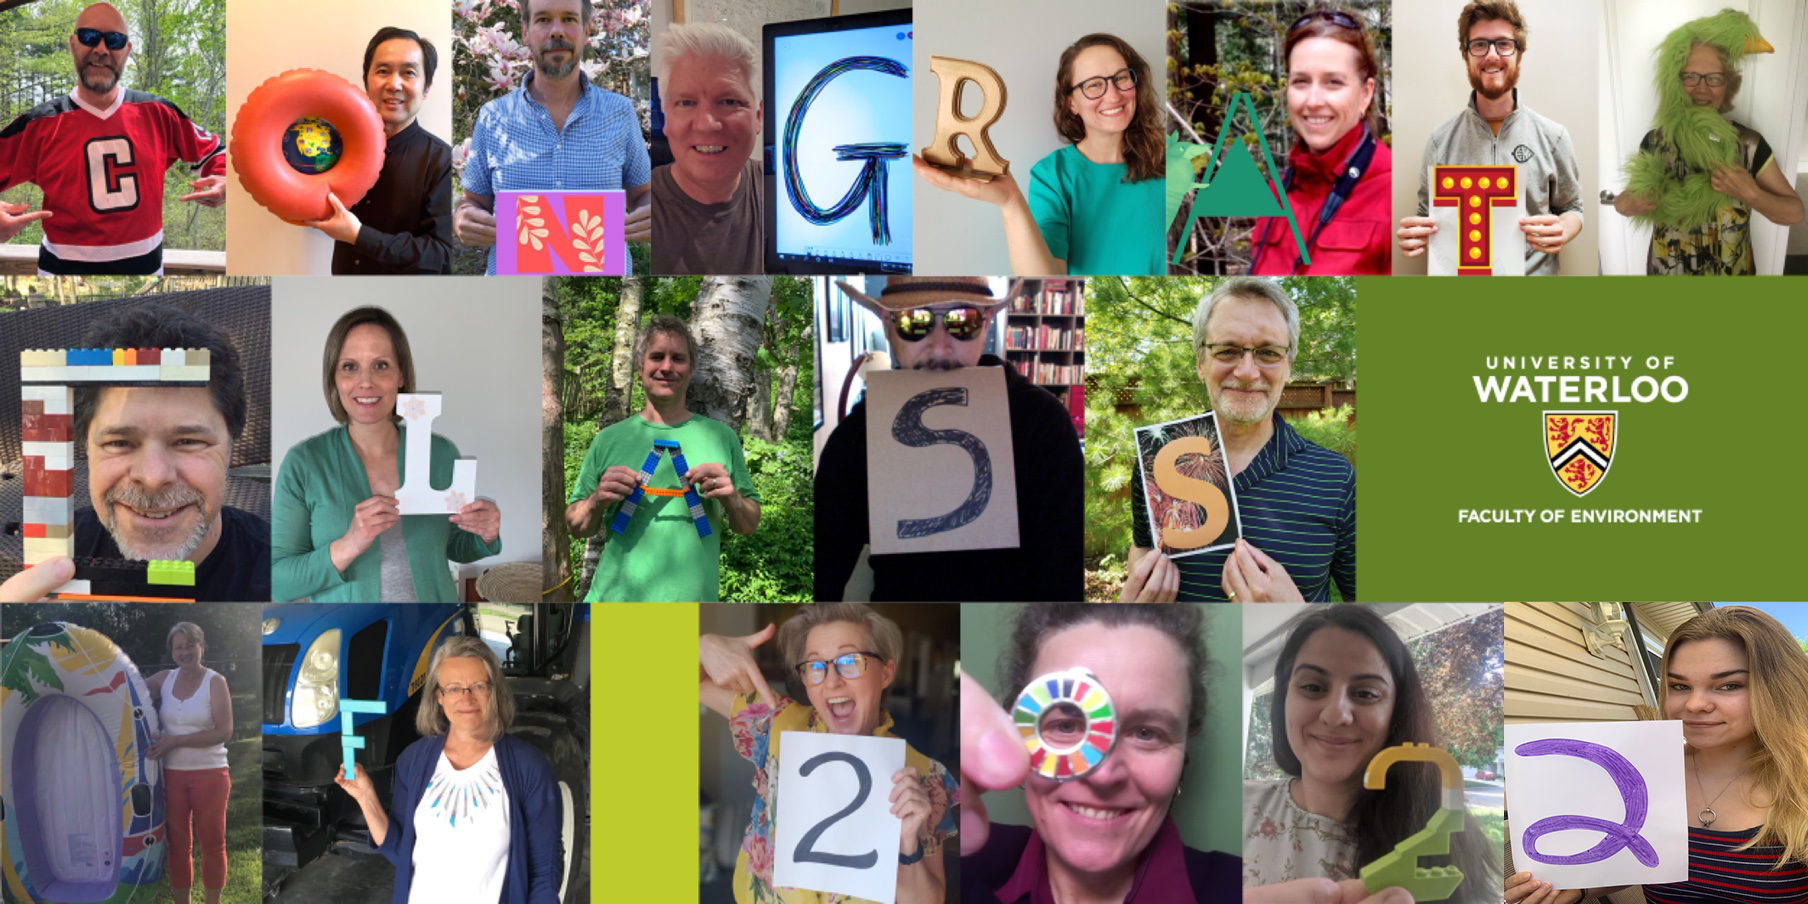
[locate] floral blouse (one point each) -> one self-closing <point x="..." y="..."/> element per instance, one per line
<point x="756" y="728"/>
<point x="1282" y="842"/>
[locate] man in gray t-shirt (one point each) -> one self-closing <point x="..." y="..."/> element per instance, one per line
<point x="1495" y="128"/>
<point x="708" y="213"/>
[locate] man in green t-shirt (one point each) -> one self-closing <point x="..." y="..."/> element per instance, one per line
<point x="658" y="556"/>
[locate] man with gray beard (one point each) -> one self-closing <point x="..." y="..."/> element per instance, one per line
<point x="940" y="323"/>
<point x="157" y="462"/>
<point x="556" y="132"/>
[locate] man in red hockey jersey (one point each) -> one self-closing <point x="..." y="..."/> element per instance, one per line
<point x="100" y="155"/>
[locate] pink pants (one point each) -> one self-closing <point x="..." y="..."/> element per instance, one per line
<point x="198" y="794"/>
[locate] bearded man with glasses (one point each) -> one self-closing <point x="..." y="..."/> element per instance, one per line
<point x="99" y="156"/>
<point x="940" y="323"/>
<point x="1296" y="500"/>
<point x="1497" y="129"/>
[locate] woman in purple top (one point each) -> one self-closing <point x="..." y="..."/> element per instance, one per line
<point x="1109" y="834"/>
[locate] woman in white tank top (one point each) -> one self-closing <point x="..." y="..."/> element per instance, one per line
<point x="195" y="709"/>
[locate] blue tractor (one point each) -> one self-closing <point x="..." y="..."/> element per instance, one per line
<point x="316" y="654"/>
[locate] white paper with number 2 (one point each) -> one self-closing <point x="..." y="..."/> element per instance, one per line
<point x="815" y="846"/>
<point x="1546" y="779"/>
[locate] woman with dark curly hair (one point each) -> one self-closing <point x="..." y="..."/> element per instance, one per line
<point x="1345" y="689"/>
<point x="1109" y="833"/>
<point x="1094" y="206"/>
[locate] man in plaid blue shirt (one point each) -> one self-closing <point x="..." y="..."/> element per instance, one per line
<point x="557" y="132"/>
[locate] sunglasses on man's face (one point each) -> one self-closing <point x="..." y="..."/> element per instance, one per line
<point x="962" y="322"/>
<point x="89" y="37"/>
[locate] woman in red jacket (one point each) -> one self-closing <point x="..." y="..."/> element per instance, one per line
<point x="1339" y="175"/>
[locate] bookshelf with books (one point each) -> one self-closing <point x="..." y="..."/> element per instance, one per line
<point x="1045" y="339"/>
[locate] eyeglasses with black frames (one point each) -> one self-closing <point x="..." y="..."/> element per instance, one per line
<point x="1506" y="47"/>
<point x="1094" y="88"/>
<point x="1713" y="79"/>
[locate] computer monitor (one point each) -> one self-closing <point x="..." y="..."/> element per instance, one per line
<point x="837" y="157"/>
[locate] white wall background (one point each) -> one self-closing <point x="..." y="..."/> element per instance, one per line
<point x="1771" y="100"/>
<point x="1022" y="40"/>
<point x="268" y="39"/>
<point x="477" y="341"/>
<point x="1557" y="80"/>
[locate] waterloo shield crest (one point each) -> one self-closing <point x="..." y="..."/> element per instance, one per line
<point x="1580" y="445"/>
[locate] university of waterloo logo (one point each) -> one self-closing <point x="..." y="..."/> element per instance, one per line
<point x="1580" y="445"/>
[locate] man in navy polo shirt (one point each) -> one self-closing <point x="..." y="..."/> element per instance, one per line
<point x="557" y="132"/>
<point x="1297" y="500"/>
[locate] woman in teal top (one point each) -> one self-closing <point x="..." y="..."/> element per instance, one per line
<point x="1095" y="206"/>
<point x="337" y="534"/>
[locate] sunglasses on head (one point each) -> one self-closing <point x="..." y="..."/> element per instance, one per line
<point x="962" y="322"/>
<point x="92" y="36"/>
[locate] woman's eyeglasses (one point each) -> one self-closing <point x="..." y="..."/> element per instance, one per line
<point x="1094" y="88"/>
<point x="1714" y="79"/>
<point x="915" y="324"/>
<point x="850" y="665"/>
<point x="1335" y="17"/>
<point x="92" y="36"/>
<point x="478" y="691"/>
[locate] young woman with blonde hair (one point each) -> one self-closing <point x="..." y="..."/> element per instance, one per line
<point x="1738" y="681"/>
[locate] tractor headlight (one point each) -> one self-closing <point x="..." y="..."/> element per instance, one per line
<point x="317" y="684"/>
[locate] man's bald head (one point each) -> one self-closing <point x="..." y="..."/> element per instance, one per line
<point x="98" y="68"/>
<point x="102" y="16"/>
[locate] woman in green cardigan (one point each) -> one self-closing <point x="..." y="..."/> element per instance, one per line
<point x="337" y="534"/>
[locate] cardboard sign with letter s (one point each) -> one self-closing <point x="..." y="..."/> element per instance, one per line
<point x="940" y="472"/>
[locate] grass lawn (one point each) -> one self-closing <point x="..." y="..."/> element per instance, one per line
<point x="244" y="811"/>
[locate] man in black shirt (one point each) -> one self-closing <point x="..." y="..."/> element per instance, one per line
<point x="404" y="223"/>
<point x="157" y="471"/>
<point x="940" y="323"/>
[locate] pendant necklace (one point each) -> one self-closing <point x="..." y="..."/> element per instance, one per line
<point x="1707" y="815"/>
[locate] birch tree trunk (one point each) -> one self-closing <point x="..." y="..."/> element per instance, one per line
<point x="787" y="384"/>
<point x="555" y="537"/>
<point x="759" y="402"/>
<point x="726" y="318"/>
<point x="622" y="366"/>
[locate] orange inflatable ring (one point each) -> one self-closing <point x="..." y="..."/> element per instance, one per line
<point x="265" y="118"/>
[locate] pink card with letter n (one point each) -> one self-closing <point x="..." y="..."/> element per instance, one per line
<point x="557" y="233"/>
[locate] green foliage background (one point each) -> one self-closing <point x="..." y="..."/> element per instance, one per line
<point x="1139" y="349"/>
<point x="178" y="53"/>
<point x="777" y="563"/>
<point x="1220" y="48"/>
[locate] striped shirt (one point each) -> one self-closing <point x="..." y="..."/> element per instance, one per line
<point x="516" y="147"/>
<point x="1719" y="874"/>
<point x="1297" y="502"/>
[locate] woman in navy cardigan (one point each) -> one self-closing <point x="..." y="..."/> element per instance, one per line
<point x="475" y="812"/>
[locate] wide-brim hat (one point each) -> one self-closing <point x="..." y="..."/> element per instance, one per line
<point x="901" y="293"/>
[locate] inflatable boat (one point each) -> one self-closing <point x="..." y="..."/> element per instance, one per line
<point x="80" y="805"/>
